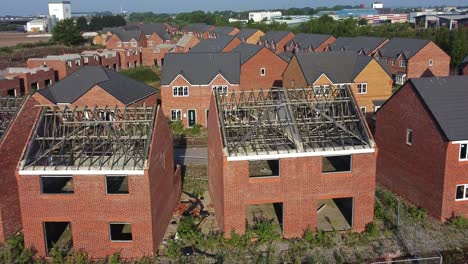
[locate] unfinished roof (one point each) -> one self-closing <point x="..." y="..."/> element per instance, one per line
<point x="101" y="53"/>
<point x="247" y="51"/>
<point x="128" y="35"/>
<point x="158" y="28"/>
<point x="246" y="33"/>
<point x="291" y="121"/>
<point x="185" y="40"/>
<point x="8" y="108"/>
<point x="74" y="139"/>
<point x="357" y="44"/>
<point x="446" y="99"/>
<point x="213" y="45"/>
<point x="70" y="89"/>
<point x="274" y="36"/>
<point x="305" y="41"/>
<point x="201" y="68"/>
<point x="223" y="30"/>
<point x="197" y="27"/>
<point x="409" y="47"/>
<point x="64" y="57"/>
<point x="339" y="67"/>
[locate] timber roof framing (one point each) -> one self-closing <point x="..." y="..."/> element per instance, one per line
<point x="285" y="121"/>
<point x="84" y="138"/>
<point x="8" y="108"/>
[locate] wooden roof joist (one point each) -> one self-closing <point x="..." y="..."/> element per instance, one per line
<point x="8" y="108"/>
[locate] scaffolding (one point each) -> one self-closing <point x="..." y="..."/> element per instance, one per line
<point x="8" y="108"/>
<point x="85" y="138"/>
<point x="279" y="120"/>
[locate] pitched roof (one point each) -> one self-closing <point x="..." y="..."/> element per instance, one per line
<point x="286" y="55"/>
<point x="366" y="44"/>
<point x="124" y="88"/>
<point x="275" y="36"/>
<point x="309" y="40"/>
<point x="196" y="27"/>
<point x="158" y="28"/>
<point x="223" y="30"/>
<point x="408" y="46"/>
<point x="201" y="68"/>
<point x="213" y="45"/>
<point x="339" y="67"/>
<point x="184" y="40"/>
<point x="127" y="35"/>
<point x="246" y="33"/>
<point x="445" y="98"/>
<point x="247" y="51"/>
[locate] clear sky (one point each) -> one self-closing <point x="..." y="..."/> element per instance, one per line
<point x="35" y="7"/>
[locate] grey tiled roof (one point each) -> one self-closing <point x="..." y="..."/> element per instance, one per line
<point x="184" y="40"/>
<point x="223" y="30"/>
<point x="409" y="47"/>
<point x="126" y="36"/>
<point x="366" y="44"/>
<point x="339" y="67"/>
<point x="125" y="89"/>
<point x="197" y="27"/>
<point x="158" y="28"/>
<point x="275" y="36"/>
<point x="213" y="45"/>
<point x="305" y="41"/>
<point x="247" y="51"/>
<point x="246" y="33"/>
<point x="446" y="98"/>
<point x="286" y="55"/>
<point x="201" y="68"/>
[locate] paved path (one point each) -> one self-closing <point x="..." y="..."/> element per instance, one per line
<point x="185" y="156"/>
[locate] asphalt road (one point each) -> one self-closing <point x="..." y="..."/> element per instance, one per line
<point x="185" y="156"/>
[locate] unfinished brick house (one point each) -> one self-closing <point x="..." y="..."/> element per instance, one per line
<point x="426" y="115"/>
<point x="260" y="67"/>
<point x="224" y="31"/>
<point x="220" y="44"/>
<point x="199" y="30"/>
<point x="63" y="65"/>
<point x="188" y="79"/>
<point x="155" y="34"/>
<point x="31" y="79"/>
<point x="129" y="58"/>
<point x="362" y="45"/>
<point x="414" y="58"/>
<point x="9" y="86"/>
<point x="276" y="40"/>
<point x="370" y="81"/>
<point x="106" y="58"/>
<point x="97" y="172"/>
<point x="274" y="155"/>
<point x="127" y="39"/>
<point x="250" y="35"/>
<point x="309" y="42"/>
<point x="186" y="42"/>
<point x="155" y="56"/>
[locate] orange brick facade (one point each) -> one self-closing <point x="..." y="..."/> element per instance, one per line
<point x="322" y="47"/>
<point x="10" y="87"/>
<point x="62" y="68"/>
<point x="114" y="40"/>
<point x="251" y="76"/>
<point x="129" y="58"/>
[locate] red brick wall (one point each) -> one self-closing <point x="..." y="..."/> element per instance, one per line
<point x="325" y="44"/>
<point x="11" y="149"/>
<point x="299" y="187"/>
<point x="112" y="42"/>
<point x="6" y="84"/>
<point x="418" y="65"/>
<point x="128" y="56"/>
<point x="97" y="96"/>
<point x="156" y="40"/>
<point x="282" y="43"/>
<point x="274" y="68"/>
<point x="110" y="62"/>
<point x="39" y="77"/>
<point x="233" y="44"/>
<point x="405" y="169"/>
<point x="465" y="69"/>
<point x="59" y="66"/>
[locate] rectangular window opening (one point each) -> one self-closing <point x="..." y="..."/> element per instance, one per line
<point x="362" y="88"/>
<point x="117" y="184"/>
<point x="262" y="72"/>
<point x="265" y="214"/>
<point x="464" y="151"/>
<point x="335" y="214"/>
<point x="263" y="168"/>
<point x="120" y="232"/>
<point x="57" y="185"/>
<point x="58" y="235"/>
<point x="409" y="137"/>
<point x="332" y="164"/>
<point x="462" y="192"/>
<point x="176" y="115"/>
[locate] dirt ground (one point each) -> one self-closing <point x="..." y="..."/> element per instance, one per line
<point x="14" y="38"/>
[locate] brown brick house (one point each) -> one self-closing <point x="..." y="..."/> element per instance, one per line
<point x="199" y="30"/>
<point x="156" y="34"/>
<point x="426" y="115"/>
<point x="309" y="42"/>
<point x="224" y="31"/>
<point x="63" y="65"/>
<point x="276" y="40"/>
<point x="250" y="35"/>
<point x="414" y="58"/>
<point x="186" y="42"/>
<point x="105" y="58"/>
<point x="188" y="79"/>
<point x="155" y="56"/>
<point x="9" y="86"/>
<point x="260" y="67"/>
<point x="31" y="79"/>
<point x="362" y="45"/>
<point x="370" y="82"/>
<point x="220" y="44"/>
<point x="264" y="162"/>
<point x="127" y="39"/>
<point x="129" y="58"/>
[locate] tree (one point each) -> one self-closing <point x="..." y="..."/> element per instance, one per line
<point x="82" y="23"/>
<point x="67" y="32"/>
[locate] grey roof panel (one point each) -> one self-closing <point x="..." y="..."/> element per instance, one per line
<point x="305" y="41"/>
<point x="247" y="51"/>
<point x="127" y="35"/>
<point x="366" y="44"/>
<point x="125" y="89"/>
<point x="201" y="68"/>
<point x="223" y="30"/>
<point x="197" y="27"/>
<point x="408" y="46"/>
<point x="213" y="45"/>
<point x="446" y="98"/>
<point x="158" y="28"/>
<point x="246" y="33"/>
<point x="274" y="36"/>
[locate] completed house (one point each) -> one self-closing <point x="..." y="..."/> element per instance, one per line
<point x="362" y="45"/>
<point x="369" y="81"/>
<point x="414" y="58"/>
<point x="200" y="30"/>
<point x="224" y="31"/>
<point x="63" y="65"/>
<point x="309" y="42"/>
<point x="188" y="80"/>
<point x="276" y="40"/>
<point x="127" y="39"/>
<point x="156" y="34"/>
<point x="292" y="157"/>
<point x="250" y="35"/>
<point x="426" y="116"/>
<point x="219" y="44"/>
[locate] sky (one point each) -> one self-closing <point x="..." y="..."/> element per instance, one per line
<point x="36" y="7"/>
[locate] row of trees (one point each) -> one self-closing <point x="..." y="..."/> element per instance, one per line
<point x="99" y="22"/>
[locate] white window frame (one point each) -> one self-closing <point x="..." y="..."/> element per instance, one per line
<point x="222" y="89"/>
<point x="409" y="134"/>
<point x="403" y="64"/>
<point x="180" y="91"/>
<point x="176" y="111"/>
<point x="70" y="64"/>
<point x="465" y="191"/>
<point x="361" y="88"/>
<point x="460" y="153"/>
<point x="376" y="107"/>
<point x="431" y="62"/>
<point x="119" y="44"/>
<point x="320" y="90"/>
<point x="151" y="43"/>
<point x="134" y="44"/>
<point x="262" y="72"/>
<point x="85" y="60"/>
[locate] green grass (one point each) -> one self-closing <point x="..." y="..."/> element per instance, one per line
<point x="142" y="74"/>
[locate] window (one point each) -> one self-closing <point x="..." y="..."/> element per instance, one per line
<point x="363" y="110"/>
<point x="430" y="62"/>
<point x="221" y="89"/>
<point x="57" y="185"/>
<point x="119" y="44"/>
<point x="400" y="79"/>
<point x="34" y="86"/>
<point x="464" y="151"/>
<point x="409" y="137"/>
<point x="85" y="60"/>
<point x="322" y="90"/>
<point x="263" y="168"/>
<point x="178" y="91"/>
<point x="393" y="62"/>
<point x="78" y="62"/>
<point x="151" y="43"/>
<point x="59" y="235"/>
<point x="362" y="88"/>
<point x="121" y="232"/>
<point x="176" y="115"/>
<point x="117" y="184"/>
<point x="262" y="72"/>
<point x="403" y="63"/>
<point x="69" y="64"/>
<point x="334" y="164"/>
<point x="11" y="93"/>
<point x="462" y="192"/>
<point x="106" y="116"/>
<point x="134" y="44"/>
<point x="48" y="83"/>
<point x="376" y="108"/>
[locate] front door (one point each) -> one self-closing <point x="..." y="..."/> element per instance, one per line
<point x="192" y="119"/>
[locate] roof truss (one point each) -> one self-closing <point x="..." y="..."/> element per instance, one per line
<point x="8" y="108"/>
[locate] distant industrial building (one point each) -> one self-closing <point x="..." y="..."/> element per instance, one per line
<point x="261" y="16"/>
<point x="36" y="25"/>
<point x="58" y="10"/>
<point x="377" y="5"/>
